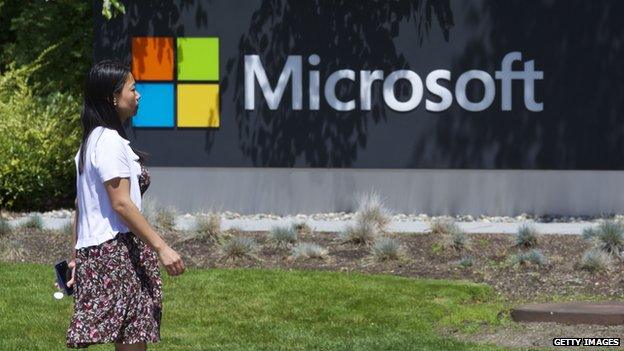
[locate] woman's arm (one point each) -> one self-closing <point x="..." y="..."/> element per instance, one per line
<point x="74" y="236"/>
<point x="118" y="190"/>
<point x="74" y="231"/>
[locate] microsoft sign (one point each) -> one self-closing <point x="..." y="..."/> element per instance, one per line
<point x="293" y="72"/>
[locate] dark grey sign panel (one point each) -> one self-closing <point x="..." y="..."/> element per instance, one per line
<point x="523" y="84"/>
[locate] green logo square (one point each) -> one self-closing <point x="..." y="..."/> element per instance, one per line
<point x="198" y="59"/>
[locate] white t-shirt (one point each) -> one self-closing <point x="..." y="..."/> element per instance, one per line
<point x="107" y="156"/>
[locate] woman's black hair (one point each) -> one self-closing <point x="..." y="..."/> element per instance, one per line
<point x="103" y="80"/>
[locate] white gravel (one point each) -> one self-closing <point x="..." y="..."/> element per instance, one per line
<point x="343" y="216"/>
<point x="336" y="221"/>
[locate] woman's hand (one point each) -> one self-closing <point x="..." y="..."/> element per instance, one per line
<point x="171" y="260"/>
<point x="72" y="266"/>
<point x="72" y="281"/>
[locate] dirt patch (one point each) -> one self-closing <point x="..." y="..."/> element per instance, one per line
<point x="424" y="257"/>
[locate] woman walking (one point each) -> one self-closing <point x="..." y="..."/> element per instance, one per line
<point x="118" y="289"/>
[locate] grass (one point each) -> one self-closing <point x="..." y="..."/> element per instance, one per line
<point x="254" y="309"/>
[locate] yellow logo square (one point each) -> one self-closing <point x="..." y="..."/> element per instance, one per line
<point x="198" y="105"/>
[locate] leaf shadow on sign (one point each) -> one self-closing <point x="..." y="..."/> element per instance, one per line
<point x="345" y="34"/>
<point x="152" y="18"/>
<point x="578" y="45"/>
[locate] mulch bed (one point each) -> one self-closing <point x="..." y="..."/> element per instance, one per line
<point x="424" y="258"/>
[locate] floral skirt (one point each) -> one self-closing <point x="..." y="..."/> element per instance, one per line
<point x="118" y="294"/>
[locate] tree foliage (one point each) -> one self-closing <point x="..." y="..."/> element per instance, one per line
<point x="45" y="51"/>
<point x="39" y="136"/>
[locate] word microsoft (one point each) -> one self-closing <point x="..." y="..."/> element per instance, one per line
<point x="293" y="72"/>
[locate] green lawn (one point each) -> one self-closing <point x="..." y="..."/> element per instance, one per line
<point x="250" y="309"/>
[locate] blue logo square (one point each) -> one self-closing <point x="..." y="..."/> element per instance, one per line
<point x="155" y="105"/>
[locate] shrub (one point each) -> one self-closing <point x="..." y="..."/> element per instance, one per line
<point x="5" y="228"/>
<point x="33" y="222"/>
<point x="608" y="236"/>
<point x="595" y="260"/>
<point x="534" y="256"/>
<point x="238" y="247"/>
<point x="386" y="249"/>
<point x="526" y="236"/>
<point x="309" y="250"/>
<point x="208" y="226"/>
<point x="39" y="137"/>
<point x="283" y="235"/>
<point x="362" y="233"/>
<point x="370" y="209"/>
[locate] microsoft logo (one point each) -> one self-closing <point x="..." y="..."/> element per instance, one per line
<point x="178" y="79"/>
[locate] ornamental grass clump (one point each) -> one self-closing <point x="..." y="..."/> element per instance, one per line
<point x="234" y="231"/>
<point x="443" y="226"/>
<point x="239" y="247"/>
<point x="283" y="236"/>
<point x="596" y="260"/>
<point x="532" y="257"/>
<point x="165" y="217"/>
<point x="370" y="209"/>
<point x="361" y="233"/>
<point x="5" y="228"/>
<point x="589" y="233"/>
<point x="208" y="226"/>
<point x="302" y="228"/>
<point x="33" y="222"/>
<point x="66" y="229"/>
<point x="455" y="239"/>
<point x="608" y="236"/>
<point x="387" y="249"/>
<point x="12" y="251"/>
<point x="466" y="262"/>
<point x="371" y="221"/>
<point x="526" y="236"/>
<point x="309" y="250"/>
<point x="148" y="209"/>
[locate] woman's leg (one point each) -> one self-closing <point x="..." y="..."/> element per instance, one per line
<point x="139" y="346"/>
